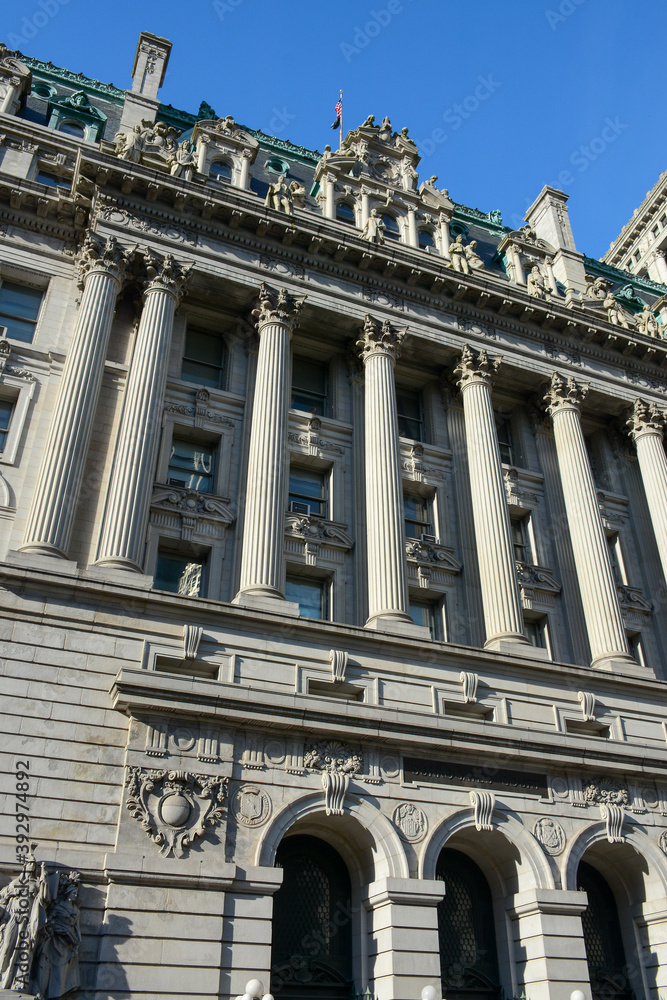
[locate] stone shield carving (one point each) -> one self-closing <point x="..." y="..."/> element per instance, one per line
<point x="251" y="806"/>
<point x="410" y="822"/>
<point x="174" y="807"/>
<point x="550" y="834"/>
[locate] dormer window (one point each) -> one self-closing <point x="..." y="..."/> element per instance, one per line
<point x="76" y="116"/>
<point x="220" y="171"/>
<point x="72" y="128"/>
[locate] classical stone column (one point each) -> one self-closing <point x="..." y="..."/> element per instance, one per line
<point x="602" y="611"/>
<point x="102" y="268"/>
<point x="379" y="347"/>
<point x="262" y="571"/>
<point x="123" y="533"/>
<point x="444" y="235"/>
<point x="503" y="615"/>
<point x="661" y="265"/>
<point x="646" y="429"/>
<point x="413" y="235"/>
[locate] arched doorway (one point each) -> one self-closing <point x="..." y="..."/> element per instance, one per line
<point x="468" y="954"/>
<point x="605" y="954"/>
<point x="311" y="954"/>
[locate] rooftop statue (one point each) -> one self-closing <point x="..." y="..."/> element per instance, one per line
<point x="279" y="196"/>
<point x="298" y="193"/>
<point x="647" y="323"/>
<point x="459" y="256"/>
<point x="432" y="197"/>
<point x="373" y="231"/>
<point x="182" y="163"/>
<point x="615" y="313"/>
<point x="474" y="260"/>
<point x="535" y="284"/>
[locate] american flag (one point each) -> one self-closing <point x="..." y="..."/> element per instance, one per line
<point x="338" y="111"/>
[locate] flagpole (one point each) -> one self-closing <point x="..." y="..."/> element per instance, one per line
<point x="340" y="143"/>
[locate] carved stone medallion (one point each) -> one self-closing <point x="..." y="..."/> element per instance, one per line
<point x="410" y="822"/>
<point x="251" y="805"/>
<point x="663" y="841"/>
<point x="550" y="834"/>
<point x="174" y="807"/>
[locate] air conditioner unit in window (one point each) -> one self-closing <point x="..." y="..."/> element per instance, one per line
<point x="429" y="538"/>
<point x="177" y="482"/>
<point x="296" y="507"/>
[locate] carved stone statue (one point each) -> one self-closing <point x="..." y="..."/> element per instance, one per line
<point x="279" y="196"/>
<point x="473" y="258"/>
<point x="647" y="323"/>
<point x="614" y="312"/>
<point x="596" y="288"/>
<point x="432" y="197"/>
<point x="535" y="284"/>
<point x="298" y="193"/>
<point x="226" y="125"/>
<point x="410" y="176"/>
<point x="130" y="144"/>
<point x="56" y="960"/>
<point x="22" y="913"/>
<point x="182" y="163"/>
<point x="369" y="122"/>
<point x="458" y="257"/>
<point x="373" y="231"/>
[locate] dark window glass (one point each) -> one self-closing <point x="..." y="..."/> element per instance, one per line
<point x="391" y="230"/>
<point x="410" y="417"/>
<point x="520" y="538"/>
<point x="72" y="128"/>
<point x="309" y="386"/>
<point x="345" y="212"/>
<point x="425" y="238"/>
<point x="423" y="614"/>
<point x="505" y="442"/>
<point x="307" y="487"/>
<point x="52" y="180"/>
<point x="311" y="952"/>
<point x="310" y="595"/>
<point x="636" y="647"/>
<point x="468" y="956"/>
<point x="602" y="936"/>
<point x="6" y="410"/>
<point x="416" y="517"/>
<point x="616" y="558"/>
<point x="191" y="466"/>
<point x="220" y="171"/>
<point x="19" y="307"/>
<point x="203" y="358"/>
<point x="536" y="632"/>
<point x="179" y="575"/>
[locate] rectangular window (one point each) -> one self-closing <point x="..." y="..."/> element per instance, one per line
<point x="636" y="647"/>
<point x="537" y="632"/>
<point x="306" y="487"/>
<point x="179" y="574"/>
<point x="417" y="516"/>
<point x="310" y="388"/>
<point x="19" y="308"/>
<point x="521" y="539"/>
<point x="505" y="440"/>
<point x="203" y="358"/>
<point x="310" y="595"/>
<point x="656" y="231"/>
<point x="423" y="614"/>
<point x="191" y="466"/>
<point x="616" y="558"/>
<point x="410" y="414"/>
<point x="6" y="411"/>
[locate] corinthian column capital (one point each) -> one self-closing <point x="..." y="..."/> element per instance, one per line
<point x="166" y="275"/>
<point x="475" y="366"/>
<point x="376" y="338"/>
<point x="565" y="393"/>
<point x="645" y="417"/>
<point x="102" y="257"/>
<point x="277" y="307"/>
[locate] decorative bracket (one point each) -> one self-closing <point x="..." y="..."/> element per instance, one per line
<point x="483" y="803"/>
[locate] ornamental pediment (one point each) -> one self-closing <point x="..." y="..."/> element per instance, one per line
<point x="225" y="134"/>
<point x="375" y="154"/>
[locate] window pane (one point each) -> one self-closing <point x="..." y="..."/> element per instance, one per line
<point x="408" y="405"/>
<point x="505" y="442"/>
<point x="191" y="466"/>
<point x="307" y="487"/>
<point x="519" y="535"/>
<point x="416" y="517"/>
<point x="221" y="171"/>
<point x="203" y="358"/>
<point x="425" y="239"/>
<point x="308" y="595"/>
<point x="178" y="575"/>
<point x="72" y="128"/>
<point x="344" y="212"/>
<point x="536" y="633"/>
<point x="6" y="409"/>
<point x="52" y="180"/>
<point x="391" y="227"/>
<point x="19" y="301"/>
<point x="423" y="614"/>
<point x="309" y="386"/>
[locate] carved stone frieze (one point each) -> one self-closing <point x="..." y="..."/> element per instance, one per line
<point x="515" y="492"/>
<point x="605" y="789"/>
<point x="194" y="411"/>
<point x="632" y="599"/>
<point x="410" y="821"/>
<point x="151" y="227"/>
<point x="281" y="266"/>
<point x="550" y="835"/>
<point x="312" y="440"/>
<point x="174" y="807"/>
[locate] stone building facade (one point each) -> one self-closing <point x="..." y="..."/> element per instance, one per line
<point x="333" y="562"/>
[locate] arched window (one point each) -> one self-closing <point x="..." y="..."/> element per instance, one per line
<point x="70" y="127"/>
<point x="220" y="171"/>
<point x="345" y="212"/>
<point x="425" y="239"/>
<point x="602" y="936"/>
<point x="391" y="230"/>
<point x="311" y="955"/>
<point x="468" y="956"/>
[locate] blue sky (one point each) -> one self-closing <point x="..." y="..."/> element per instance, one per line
<point x="502" y="97"/>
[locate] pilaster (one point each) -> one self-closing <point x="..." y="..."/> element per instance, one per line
<point x="550" y="944"/>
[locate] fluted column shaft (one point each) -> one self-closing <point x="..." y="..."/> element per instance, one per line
<point x="385" y="525"/>
<point x="602" y="611"/>
<point x="503" y="615"/>
<point x="646" y="428"/>
<point x="262" y="558"/>
<point x="49" y="527"/>
<point x="123" y="532"/>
